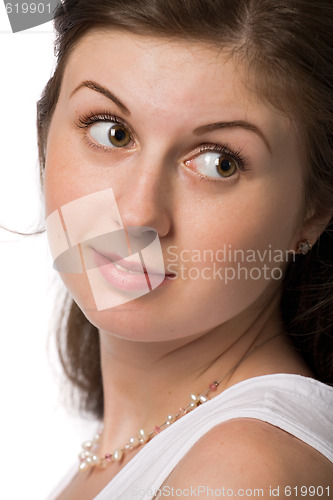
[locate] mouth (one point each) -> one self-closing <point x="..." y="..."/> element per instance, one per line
<point x="127" y="275"/>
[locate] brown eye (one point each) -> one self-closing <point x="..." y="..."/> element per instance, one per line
<point x="225" y="166"/>
<point x="214" y="165"/>
<point x="119" y="136"/>
<point x="110" y="134"/>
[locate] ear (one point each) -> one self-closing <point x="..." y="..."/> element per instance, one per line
<point x="313" y="226"/>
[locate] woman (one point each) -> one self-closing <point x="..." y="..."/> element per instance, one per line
<point x="199" y="131"/>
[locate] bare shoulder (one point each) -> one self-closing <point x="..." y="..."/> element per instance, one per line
<point x="248" y="454"/>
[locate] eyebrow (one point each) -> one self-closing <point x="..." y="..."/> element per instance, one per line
<point x="198" y="131"/>
<point x="233" y="124"/>
<point x="101" y="90"/>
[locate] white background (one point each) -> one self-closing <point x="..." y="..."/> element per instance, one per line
<point x="40" y="437"/>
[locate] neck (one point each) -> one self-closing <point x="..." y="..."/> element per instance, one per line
<point x="145" y="381"/>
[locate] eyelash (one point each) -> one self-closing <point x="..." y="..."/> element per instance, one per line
<point x="238" y="155"/>
<point x="85" y="120"/>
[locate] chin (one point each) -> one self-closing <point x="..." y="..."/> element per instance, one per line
<point x="130" y="321"/>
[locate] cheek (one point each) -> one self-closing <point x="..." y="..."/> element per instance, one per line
<point x="66" y="174"/>
<point x="59" y="187"/>
<point x="272" y="218"/>
<point x="256" y="216"/>
<point x="236" y="248"/>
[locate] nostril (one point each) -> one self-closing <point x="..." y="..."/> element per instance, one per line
<point x="140" y="237"/>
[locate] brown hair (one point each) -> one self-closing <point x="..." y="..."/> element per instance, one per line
<point x="287" y="46"/>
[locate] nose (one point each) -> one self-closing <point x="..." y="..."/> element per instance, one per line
<point x="144" y="197"/>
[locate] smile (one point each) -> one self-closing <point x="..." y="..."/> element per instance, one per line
<point x="126" y="275"/>
<point x="121" y="268"/>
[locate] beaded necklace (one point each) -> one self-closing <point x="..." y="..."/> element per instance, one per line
<point x="88" y="457"/>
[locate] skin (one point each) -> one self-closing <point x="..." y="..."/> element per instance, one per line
<point x="159" y="348"/>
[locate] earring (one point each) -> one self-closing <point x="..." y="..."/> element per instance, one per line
<point x="304" y="247"/>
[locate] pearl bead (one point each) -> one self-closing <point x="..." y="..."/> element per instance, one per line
<point x="194" y="397"/>
<point x="83" y="466"/>
<point x="170" y="419"/>
<point x="95" y="459"/>
<point x="117" y="455"/>
<point x="96" y="438"/>
<point x="133" y="441"/>
<point x="87" y="445"/>
<point x="203" y="398"/>
<point x="192" y="405"/>
<point x="143" y="436"/>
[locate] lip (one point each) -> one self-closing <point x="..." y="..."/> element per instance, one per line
<point x="135" y="267"/>
<point x="125" y="275"/>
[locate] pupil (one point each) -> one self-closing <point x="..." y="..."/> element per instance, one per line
<point x="119" y="135"/>
<point x="225" y="165"/>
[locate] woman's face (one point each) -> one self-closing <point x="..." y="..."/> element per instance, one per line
<point x="171" y="128"/>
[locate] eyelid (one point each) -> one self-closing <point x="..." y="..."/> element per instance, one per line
<point x="221" y="149"/>
<point x="86" y="120"/>
<point x="238" y="155"/>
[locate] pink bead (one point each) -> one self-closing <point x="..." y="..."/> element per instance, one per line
<point x="157" y="429"/>
<point x="213" y="386"/>
<point x="108" y="457"/>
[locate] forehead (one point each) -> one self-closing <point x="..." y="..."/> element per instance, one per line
<point x="164" y="78"/>
<point x="155" y="67"/>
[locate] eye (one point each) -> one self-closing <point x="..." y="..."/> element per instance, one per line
<point x="110" y="134"/>
<point x="212" y="164"/>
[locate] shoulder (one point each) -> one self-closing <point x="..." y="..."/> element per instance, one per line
<point x="248" y="454"/>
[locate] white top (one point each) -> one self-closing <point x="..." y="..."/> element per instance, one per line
<point x="299" y="405"/>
